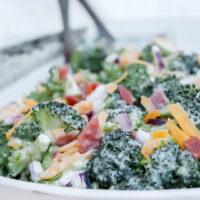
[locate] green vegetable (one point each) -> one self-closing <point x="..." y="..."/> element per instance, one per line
<point x="91" y="59"/>
<point x="138" y="81"/>
<point x="4" y="149"/>
<point x="170" y="85"/>
<point x="110" y="72"/>
<point x="21" y="157"/>
<point x="146" y="54"/>
<point x="54" y="115"/>
<point x="46" y="162"/>
<point x="187" y="64"/>
<point x="28" y="130"/>
<point x="116" y="160"/>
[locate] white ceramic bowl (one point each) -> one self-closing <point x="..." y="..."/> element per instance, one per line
<point x="11" y="189"/>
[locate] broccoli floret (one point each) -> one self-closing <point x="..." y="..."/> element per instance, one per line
<point x="91" y="59"/>
<point x="135" y="114"/>
<point x="113" y="101"/>
<point x="110" y="72"/>
<point x="54" y="115"/>
<point x="161" y="169"/>
<point x="138" y="81"/>
<point x="117" y="159"/>
<point x="184" y="63"/>
<point x="188" y="171"/>
<point x="4" y="149"/>
<point x="41" y="96"/>
<point x="146" y="54"/>
<point x="21" y="157"/>
<point x="55" y="86"/>
<point x="28" y="130"/>
<point x="170" y="85"/>
<point x="189" y="98"/>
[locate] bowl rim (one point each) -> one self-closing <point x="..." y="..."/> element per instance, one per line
<point x="90" y="194"/>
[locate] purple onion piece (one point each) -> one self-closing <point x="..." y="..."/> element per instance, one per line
<point x="124" y="122"/>
<point x="158" y="57"/>
<point x="68" y="184"/>
<point x="90" y="115"/>
<point x="85" y="178"/>
<point x="156" y="122"/>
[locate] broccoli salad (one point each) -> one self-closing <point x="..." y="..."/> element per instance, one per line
<point x="125" y="119"/>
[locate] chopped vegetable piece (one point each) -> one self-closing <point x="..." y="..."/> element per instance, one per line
<point x="147" y="104"/>
<point x="90" y="136"/>
<point x="156" y="122"/>
<point x="183" y="120"/>
<point x="177" y="133"/>
<point x="63" y="71"/>
<point x="66" y="139"/>
<point x="149" y="146"/>
<point x="160" y="134"/>
<point x="71" y="100"/>
<point x="126" y="95"/>
<point x="124" y="122"/>
<point x="111" y="87"/>
<point x="152" y="115"/>
<point x="159" y="99"/>
<point x="84" y="107"/>
<point x="193" y="145"/>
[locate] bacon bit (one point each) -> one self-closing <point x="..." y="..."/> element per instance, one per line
<point x="9" y="133"/>
<point x="152" y="115"/>
<point x="183" y="120"/>
<point x="126" y="95"/>
<point x="133" y="134"/>
<point x="177" y="133"/>
<point x="193" y="145"/>
<point x="83" y="107"/>
<point x="111" y="87"/>
<point x="102" y="117"/>
<point x="29" y="102"/>
<point x="71" y="100"/>
<point x="59" y="100"/>
<point x="121" y="78"/>
<point x="159" y="99"/>
<point x="147" y="104"/>
<point x="63" y="71"/>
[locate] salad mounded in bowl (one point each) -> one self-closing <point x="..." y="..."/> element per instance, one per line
<point x="124" y="120"/>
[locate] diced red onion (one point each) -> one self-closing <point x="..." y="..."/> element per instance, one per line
<point x="124" y="122"/>
<point x="17" y="118"/>
<point x="90" y="115"/>
<point x="158" y="57"/>
<point x="86" y="179"/>
<point x="156" y="122"/>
